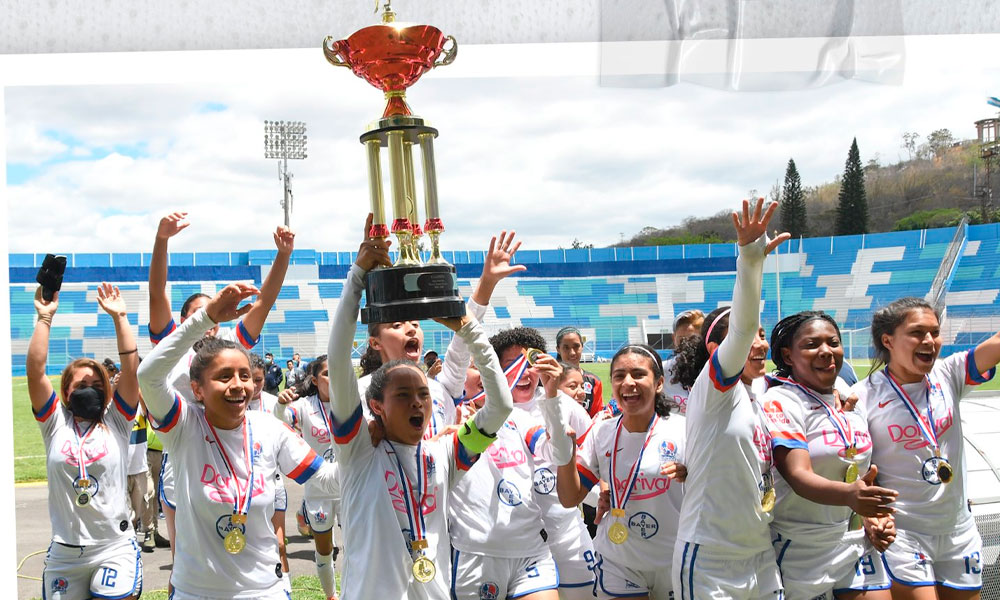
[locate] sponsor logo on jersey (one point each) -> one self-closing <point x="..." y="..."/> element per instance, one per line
<point x="544" y="480"/>
<point x="504" y="457"/>
<point x="508" y="493"/>
<point x="328" y="455"/>
<point x="631" y="585"/>
<point x="668" y="452"/>
<point x="763" y="442"/>
<point x="646" y="487"/>
<point x="862" y="441"/>
<point x="94" y="449"/>
<point x="92" y="487"/>
<point x="644" y="524"/>
<point x="396" y="495"/>
<point x="909" y="434"/>
<point x="774" y="412"/>
<point x="489" y="591"/>
<point x="321" y="434"/>
<point x="224" y="525"/>
<point x="220" y="487"/>
<point x="60" y="584"/>
<point x="885" y="403"/>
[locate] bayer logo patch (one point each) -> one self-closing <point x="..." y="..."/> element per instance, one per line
<point x="508" y="493"/>
<point x="544" y="480"/>
<point x="644" y="524"/>
<point x="223" y="526"/>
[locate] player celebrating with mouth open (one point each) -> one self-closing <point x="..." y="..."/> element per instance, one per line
<point x="913" y="410"/>
<point x="395" y="494"/>
<point x="225" y="460"/>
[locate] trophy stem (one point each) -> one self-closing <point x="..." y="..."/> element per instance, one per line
<point x="430" y="178"/>
<point x="396" y="104"/>
<point x="406" y="254"/>
<point x="379" y="228"/>
<point x="436" y="258"/>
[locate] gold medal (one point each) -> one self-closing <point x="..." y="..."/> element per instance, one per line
<point x="618" y="513"/>
<point x="532" y="354"/>
<point x="767" y="502"/>
<point x="617" y="533"/>
<point x="83" y="483"/>
<point x="851" y="452"/>
<point x="944" y="471"/>
<point x="424" y="569"/>
<point x="82" y="499"/>
<point x="238" y="519"/>
<point x="852" y="473"/>
<point x="235" y="541"/>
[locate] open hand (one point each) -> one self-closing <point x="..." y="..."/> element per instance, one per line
<point x="110" y="299"/>
<point x="284" y="240"/>
<point x="869" y="500"/>
<point x="550" y="371"/>
<point x="171" y="225"/>
<point x="225" y="305"/>
<point x="750" y="228"/>
<point x="497" y="264"/>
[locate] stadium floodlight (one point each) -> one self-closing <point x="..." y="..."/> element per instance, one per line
<point x="285" y="140"/>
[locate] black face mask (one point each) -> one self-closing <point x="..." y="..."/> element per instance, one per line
<point x="87" y="403"/>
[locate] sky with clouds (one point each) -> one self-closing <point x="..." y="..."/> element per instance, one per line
<point x="91" y="168"/>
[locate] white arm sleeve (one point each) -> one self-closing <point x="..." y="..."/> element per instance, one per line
<point x="344" y="397"/>
<point x="157" y="392"/>
<point x="491" y="417"/>
<point x="744" y="319"/>
<point x="325" y="478"/>
<point x="560" y="444"/>
<point x="456" y="358"/>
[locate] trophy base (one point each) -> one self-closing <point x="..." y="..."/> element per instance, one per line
<point x="411" y="293"/>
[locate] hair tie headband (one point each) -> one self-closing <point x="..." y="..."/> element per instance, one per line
<point x="708" y="335"/>
<point x="565" y="330"/>
<point x="644" y="351"/>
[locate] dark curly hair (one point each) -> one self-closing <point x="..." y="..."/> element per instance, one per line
<point x="784" y="333"/>
<point x="306" y="387"/>
<point x="256" y="362"/>
<point x="661" y="404"/>
<point x="206" y="349"/>
<point x="186" y="307"/>
<point x="381" y="378"/>
<point x="691" y="353"/>
<point x="887" y="319"/>
<point x="525" y="337"/>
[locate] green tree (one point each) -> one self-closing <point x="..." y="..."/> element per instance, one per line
<point x="852" y="207"/>
<point x="793" y="203"/>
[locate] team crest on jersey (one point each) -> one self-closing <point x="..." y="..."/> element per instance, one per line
<point x="508" y="493"/>
<point x="921" y="559"/>
<point x="543" y="480"/>
<point x="668" y="452"/>
<point x="224" y="525"/>
<point x="59" y="584"/>
<point x="588" y="387"/>
<point x="644" y="524"/>
<point x="489" y="591"/>
<point x="255" y="453"/>
<point x="321" y="516"/>
<point x="510" y="425"/>
<point x="430" y="464"/>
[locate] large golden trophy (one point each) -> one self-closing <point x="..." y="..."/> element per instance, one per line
<point x="392" y="56"/>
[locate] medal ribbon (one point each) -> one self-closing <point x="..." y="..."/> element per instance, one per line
<point x="840" y="421"/>
<point x="514" y="372"/>
<point x="620" y="497"/>
<point x="323" y="414"/>
<point x="410" y="498"/>
<point x="80" y="441"/>
<point x="929" y="433"/>
<point x="241" y="505"/>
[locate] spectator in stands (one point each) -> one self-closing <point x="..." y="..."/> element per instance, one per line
<point x="297" y="360"/>
<point x="86" y="429"/>
<point x="273" y="376"/>
<point x="111" y="368"/>
<point x="432" y="363"/>
<point x="686" y="324"/>
<point x="569" y="349"/>
<point x="294" y="375"/>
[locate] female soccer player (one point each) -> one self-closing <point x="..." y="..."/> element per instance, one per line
<point x="311" y="412"/>
<point x="724" y="542"/>
<point x="569" y="348"/>
<point x="225" y="459"/>
<point x="635" y="541"/>
<point x="686" y="324"/>
<point x="913" y="411"/>
<point x="824" y="457"/>
<point x="395" y="494"/>
<point x="86" y="431"/>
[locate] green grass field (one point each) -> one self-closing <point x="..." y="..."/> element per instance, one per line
<point x="29" y="452"/>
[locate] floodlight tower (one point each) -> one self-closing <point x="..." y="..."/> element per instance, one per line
<point x="285" y="140"/>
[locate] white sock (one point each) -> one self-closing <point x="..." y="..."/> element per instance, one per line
<point x="324" y="568"/>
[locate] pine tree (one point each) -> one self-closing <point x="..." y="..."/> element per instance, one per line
<point x="793" y="203"/>
<point x="852" y="209"/>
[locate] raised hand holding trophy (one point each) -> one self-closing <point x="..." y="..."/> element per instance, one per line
<point x="392" y="56"/>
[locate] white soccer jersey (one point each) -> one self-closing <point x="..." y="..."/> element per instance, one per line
<point x="312" y="416"/>
<point x="265" y="403"/>
<point x="797" y="420"/>
<point x="728" y="458"/>
<point x="105" y="517"/>
<point x="653" y="507"/>
<point x="492" y="510"/>
<point x="180" y="375"/>
<point x="373" y="494"/>
<point x="675" y="392"/>
<point x="925" y="505"/>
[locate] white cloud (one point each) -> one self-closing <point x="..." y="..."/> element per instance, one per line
<point x="26" y="144"/>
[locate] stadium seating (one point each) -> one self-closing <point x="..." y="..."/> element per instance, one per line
<point x="614" y="295"/>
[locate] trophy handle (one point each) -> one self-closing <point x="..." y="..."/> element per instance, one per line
<point x="449" y="55"/>
<point x="331" y="53"/>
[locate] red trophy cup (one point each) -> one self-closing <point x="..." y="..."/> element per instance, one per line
<point x="392" y="56"/>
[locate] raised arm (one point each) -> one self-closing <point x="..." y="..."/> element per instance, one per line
<point x="157" y="392"/>
<point x="744" y="318"/>
<point x="284" y="239"/>
<point x="159" y="303"/>
<point x="39" y="386"/>
<point x="344" y="396"/>
<point x="110" y="300"/>
<point x="496" y="267"/>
